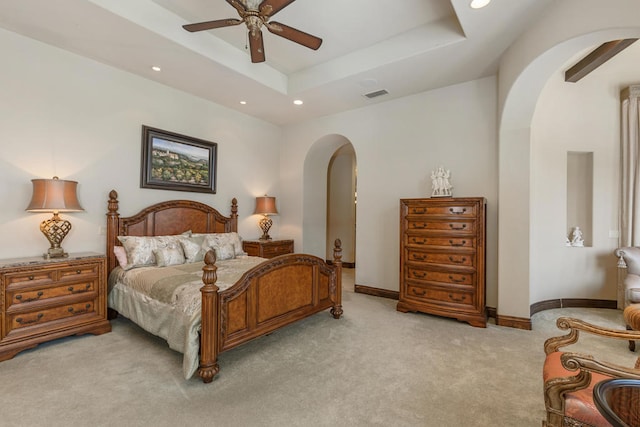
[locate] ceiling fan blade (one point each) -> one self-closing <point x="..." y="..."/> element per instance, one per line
<point x="300" y="37"/>
<point x="271" y="7"/>
<point x="209" y="25"/>
<point x="239" y="6"/>
<point x="256" y="46"/>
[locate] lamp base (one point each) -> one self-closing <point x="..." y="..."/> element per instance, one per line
<point x="55" y="253"/>
<point x="265" y="224"/>
<point x="55" y="230"/>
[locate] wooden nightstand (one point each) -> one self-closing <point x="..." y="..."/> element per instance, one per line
<point x="267" y="248"/>
<point x="45" y="299"/>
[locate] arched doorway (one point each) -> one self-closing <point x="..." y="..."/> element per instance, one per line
<point x="329" y="197"/>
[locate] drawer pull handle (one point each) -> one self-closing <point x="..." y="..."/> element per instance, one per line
<point x="462" y="243"/>
<point x="419" y="242"/>
<point x="453" y="279"/>
<point x="37" y="297"/>
<point x="457" y="227"/>
<point x="31" y="277"/>
<point x="458" y="211"/>
<point x="27" y="322"/>
<point x="460" y="299"/>
<point x="79" y="291"/>
<point x="421" y="293"/>
<point x="85" y="310"/>
<point x="421" y="275"/>
<point x="418" y="257"/>
<point x="419" y="211"/>
<point x="78" y="271"/>
<point x="457" y="261"/>
<point x="421" y="226"/>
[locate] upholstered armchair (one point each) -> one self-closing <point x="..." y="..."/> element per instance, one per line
<point x="629" y="258"/>
<point x="569" y="378"/>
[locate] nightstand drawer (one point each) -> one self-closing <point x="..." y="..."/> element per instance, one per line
<point x="30" y="278"/>
<point x="33" y="295"/>
<point x="44" y="316"/>
<point x="267" y="248"/>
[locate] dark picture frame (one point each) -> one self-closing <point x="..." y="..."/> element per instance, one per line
<point x="171" y="161"/>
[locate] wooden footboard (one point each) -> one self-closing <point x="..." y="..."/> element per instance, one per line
<point x="273" y="294"/>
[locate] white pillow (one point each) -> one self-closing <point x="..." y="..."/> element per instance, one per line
<point x="140" y="248"/>
<point x="169" y="255"/>
<point x="193" y="248"/>
<point x="225" y="252"/>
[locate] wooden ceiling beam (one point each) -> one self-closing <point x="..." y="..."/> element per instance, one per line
<point x="596" y="58"/>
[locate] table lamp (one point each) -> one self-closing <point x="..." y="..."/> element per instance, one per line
<point x="54" y="195"/>
<point x="265" y="206"/>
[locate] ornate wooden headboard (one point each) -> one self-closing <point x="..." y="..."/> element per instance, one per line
<point x="165" y="218"/>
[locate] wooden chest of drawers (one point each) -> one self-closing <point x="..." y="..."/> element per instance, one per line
<point x="442" y="258"/>
<point x="41" y="300"/>
<point x="267" y="248"/>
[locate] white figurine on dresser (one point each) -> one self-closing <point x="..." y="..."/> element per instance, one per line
<point x="440" y="185"/>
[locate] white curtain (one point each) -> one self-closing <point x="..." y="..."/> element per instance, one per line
<point x="630" y="173"/>
<point x="630" y="177"/>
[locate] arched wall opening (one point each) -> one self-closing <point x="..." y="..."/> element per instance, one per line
<point x="315" y="231"/>
<point x="524" y="71"/>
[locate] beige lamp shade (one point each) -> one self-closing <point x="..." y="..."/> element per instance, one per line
<point x="266" y="205"/>
<point x="54" y="195"/>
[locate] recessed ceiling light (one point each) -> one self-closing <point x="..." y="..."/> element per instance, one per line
<point x="477" y="4"/>
<point x="156" y="68"/>
<point x="298" y="102"/>
<point x="243" y="102"/>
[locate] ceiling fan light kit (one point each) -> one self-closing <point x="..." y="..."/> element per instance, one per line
<point x="256" y="14"/>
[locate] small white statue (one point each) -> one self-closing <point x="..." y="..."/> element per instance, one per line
<point x="576" y="237"/>
<point x="440" y="185"/>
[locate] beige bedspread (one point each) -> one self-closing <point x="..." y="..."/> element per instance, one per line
<point x="165" y="301"/>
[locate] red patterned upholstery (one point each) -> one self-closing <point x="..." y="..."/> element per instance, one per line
<point x="578" y="404"/>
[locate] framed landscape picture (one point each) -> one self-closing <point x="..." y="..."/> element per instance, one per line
<point x="171" y="161"/>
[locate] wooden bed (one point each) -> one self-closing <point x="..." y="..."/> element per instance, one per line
<point x="271" y="295"/>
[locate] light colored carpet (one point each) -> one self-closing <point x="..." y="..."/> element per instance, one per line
<point x="373" y="367"/>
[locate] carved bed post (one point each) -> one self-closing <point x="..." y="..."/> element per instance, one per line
<point x="112" y="229"/>
<point x="234" y="215"/>
<point x="336" y="310"/>
<point x="209" y="330"/>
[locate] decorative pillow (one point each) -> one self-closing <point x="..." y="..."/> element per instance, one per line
<point x="169" y="255"/>
<point x="140" y="248"/>
<point x="193" y="249"/>
<point x="214" y="240"/>
<point x="225" y="252"/>
<point x="121" y="256"/>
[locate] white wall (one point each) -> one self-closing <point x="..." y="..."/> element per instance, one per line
<point x="397" y="144"/>
<point x="582" y="116"/>
<point x="64" y="115"/>
<point x="568" y="28"/>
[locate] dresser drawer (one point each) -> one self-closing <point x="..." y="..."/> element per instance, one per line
<point x="29" y="278"/>
<point x="24" y="296"/>
<point x="63" y="314"/>
<point x="450" y="242"/>
<point x="429" y="276"/>
<point x="459" y="259"/>
<point x="444" y="210"/>
<point x="271" y="251"/>
<point x="439" y="295"/>
<point x="79" y="273"/>
<point x="449" y="226"/>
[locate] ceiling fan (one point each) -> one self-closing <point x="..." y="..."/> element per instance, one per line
<point x="256" y="14"/>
